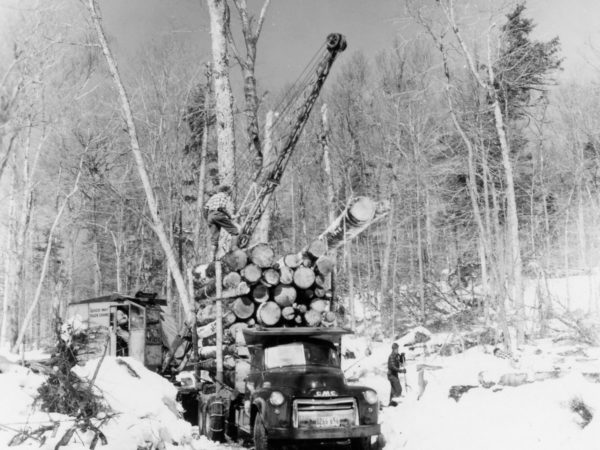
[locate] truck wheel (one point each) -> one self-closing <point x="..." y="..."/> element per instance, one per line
<point x="361" y="444"/>
<point x="214" y="420"/>
<point x="261" y="441"/>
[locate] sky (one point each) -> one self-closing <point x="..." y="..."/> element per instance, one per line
<point x="295" y="29"/>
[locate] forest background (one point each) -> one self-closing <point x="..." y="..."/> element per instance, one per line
<point x="490" y="160"/>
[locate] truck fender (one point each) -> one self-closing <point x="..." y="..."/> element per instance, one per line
<point x="258" y="406"/>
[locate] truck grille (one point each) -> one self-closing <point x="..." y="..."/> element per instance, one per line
<point x="324" y="413"/>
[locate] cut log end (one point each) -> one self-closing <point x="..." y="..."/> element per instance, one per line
<point x="268" y="314"/>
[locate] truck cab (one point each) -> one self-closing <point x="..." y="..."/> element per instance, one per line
<point x="295" y="391"/>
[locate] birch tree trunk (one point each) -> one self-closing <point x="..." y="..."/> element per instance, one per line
<point x="45" y="263"/>
<point x="251" y="35"/>
<point x="203" y="153"/>
<point x="223" y="94"/>
<point x="157" y="223"/>
<point x="511" y="204"/>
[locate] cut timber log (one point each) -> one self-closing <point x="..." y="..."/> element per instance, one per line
<point x="304" y="277"/>
<point x="288" y="313"/>
<point x="262" y="255"/>
<point x="284" y="295"/>
<point x="232" y="261"/>
<point x="270" y="277"/>
<point x="319" y="304"/>
<point x="292" y="260"/>
<point x="236" y="329"/>
<point x="211" y="328"/>
<point x="312" y="318"/>
<point x="231" y="280"/>
<point x="358" y="215"/>
<point x="210" y="352"/>
<point x="286" y="275"/>
<point x="209" y="291"/>
<point x="251" y="273"/>
<point x="323" y="281"/>
<point x="260" y="293"/>
<point x="325" y="265"/>
<point x="243" y="307"/>
<point x="316" y="249"/>
<point x="268" y="314"/>
<point x="307" y="261"/>
<point x="301" y="308"/>
<point x="328" y="319"/>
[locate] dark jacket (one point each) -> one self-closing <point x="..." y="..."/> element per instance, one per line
<point x="394" y="364"/>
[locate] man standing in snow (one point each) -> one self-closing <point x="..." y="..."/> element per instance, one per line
<point x="219" y="211"/>
<point x="395" y="365"/>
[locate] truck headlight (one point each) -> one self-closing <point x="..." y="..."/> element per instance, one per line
<point x="370" y="397"/>
<point x="276" y="398"/>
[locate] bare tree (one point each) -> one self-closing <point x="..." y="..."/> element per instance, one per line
<point x="51" y="235"/>
<point x="157" y="224"/>
<point x="219" y="18"/>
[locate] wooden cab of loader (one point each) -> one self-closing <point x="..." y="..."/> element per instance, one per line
<point x="132" y="326"/>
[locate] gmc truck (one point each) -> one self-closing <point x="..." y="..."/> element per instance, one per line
<point x="291" y="390"/>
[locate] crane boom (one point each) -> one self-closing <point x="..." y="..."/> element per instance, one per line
<point x="336" y="43"/>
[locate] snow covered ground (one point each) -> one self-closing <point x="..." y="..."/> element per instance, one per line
<point x="535" y="415"/>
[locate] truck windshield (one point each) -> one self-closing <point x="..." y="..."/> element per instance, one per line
<point x="300" y="354"/>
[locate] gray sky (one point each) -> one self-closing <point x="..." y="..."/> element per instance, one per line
<point x="295" y="29"/>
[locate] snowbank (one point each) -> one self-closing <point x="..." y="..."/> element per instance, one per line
<point x="144" y="403"/>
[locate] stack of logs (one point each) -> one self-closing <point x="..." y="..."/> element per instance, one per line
<point x="294" y="290"/>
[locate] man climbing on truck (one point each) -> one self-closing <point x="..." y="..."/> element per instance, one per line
<point x="219" y="213"/>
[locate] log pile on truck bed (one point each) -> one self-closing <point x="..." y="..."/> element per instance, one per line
<point x="293" y="290"/>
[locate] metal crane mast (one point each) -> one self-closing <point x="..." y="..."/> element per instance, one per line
<point x="335" y="44"/>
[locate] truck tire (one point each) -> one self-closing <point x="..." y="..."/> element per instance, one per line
<point x="261" y="441"/>
<point x="214" y="420"/>
<point x="361" y="444"/>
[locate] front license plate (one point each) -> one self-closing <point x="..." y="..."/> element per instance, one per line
<point x="327" y="422"/>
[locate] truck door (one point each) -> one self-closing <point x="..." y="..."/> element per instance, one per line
<point x="137" y="331"/>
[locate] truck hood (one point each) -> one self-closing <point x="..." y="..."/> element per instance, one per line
<point x="307" y="380"/>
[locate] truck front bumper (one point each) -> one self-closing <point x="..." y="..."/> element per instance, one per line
<point x="324" y="433"/>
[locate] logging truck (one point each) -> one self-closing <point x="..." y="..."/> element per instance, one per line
<point x="268" y="369"/>
<point x="290" y="389"/>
